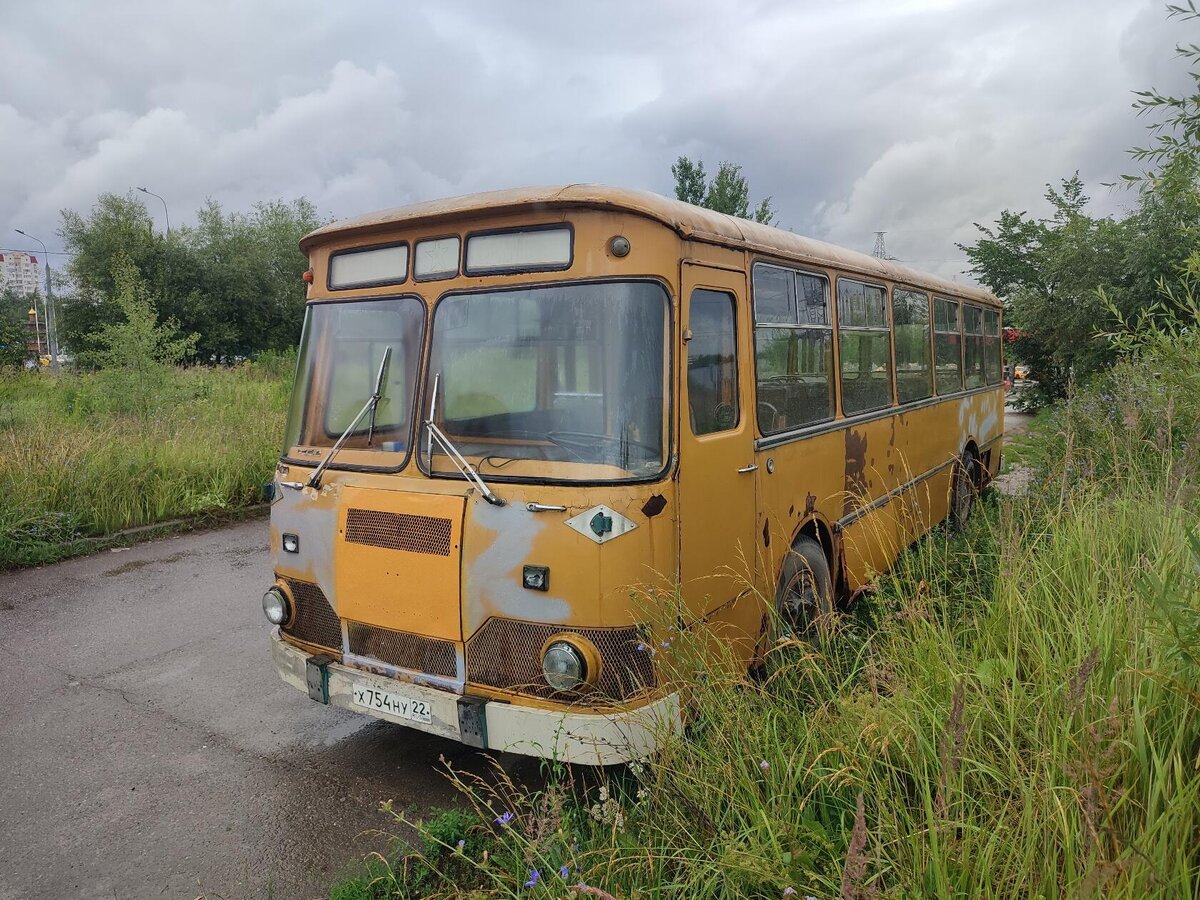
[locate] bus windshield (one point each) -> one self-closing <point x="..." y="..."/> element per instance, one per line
<point x="340" y="356"/>
<point x="563" y="382"/>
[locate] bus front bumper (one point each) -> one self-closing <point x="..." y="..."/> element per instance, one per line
<point x="601" y="739"/>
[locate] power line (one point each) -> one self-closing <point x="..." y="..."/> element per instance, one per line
<point x="27" y="250"/>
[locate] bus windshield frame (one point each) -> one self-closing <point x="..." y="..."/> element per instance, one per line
<point x="336" y="368"/>
<point x="567" y="395"/>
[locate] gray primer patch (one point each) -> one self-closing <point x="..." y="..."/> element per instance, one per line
<point x="316" y="527"/>
<point x="494" y="578"/>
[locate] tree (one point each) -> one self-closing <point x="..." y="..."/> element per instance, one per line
<point x="234" y="278"/>
<point x="728" y="192"/>
<point x="138" y="349"/>
<point x="1051" y="273"/>
<point x="690" y="180"/>
<point x="13" y="336"/>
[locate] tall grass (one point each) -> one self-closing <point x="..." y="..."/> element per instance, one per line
<point x="87" y="455"/>
<point x="1014" y="712"/>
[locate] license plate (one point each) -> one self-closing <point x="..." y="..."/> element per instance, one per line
<point x="369" y="697"/>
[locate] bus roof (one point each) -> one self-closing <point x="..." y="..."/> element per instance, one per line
<point x="689" y="221"/>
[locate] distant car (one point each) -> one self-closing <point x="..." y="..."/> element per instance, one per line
<point x="1021" y="372"/>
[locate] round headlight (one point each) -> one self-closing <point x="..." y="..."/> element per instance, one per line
<point x="275" y="606"/>
<point x="563" y="667"/>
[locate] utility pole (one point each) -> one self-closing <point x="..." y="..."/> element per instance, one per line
<point x="48" y="302"/>
<point x="880" y="251"/>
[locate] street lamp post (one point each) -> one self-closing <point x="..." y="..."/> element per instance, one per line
<point x="48" y="303"/>
<point x="166" y="214"/>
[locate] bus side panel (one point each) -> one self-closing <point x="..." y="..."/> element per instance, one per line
<point x="806" y="483"/>
<point x="871" y="532"/>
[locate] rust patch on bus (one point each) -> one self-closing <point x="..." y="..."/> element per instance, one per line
<point x="810" y="505"/>
<point x="856" y="467"/>
<point x="766" y="533"/>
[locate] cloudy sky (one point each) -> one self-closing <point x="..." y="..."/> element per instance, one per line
<point x="917" y="117"/>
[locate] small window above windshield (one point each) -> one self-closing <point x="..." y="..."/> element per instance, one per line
<point x="521" y="250"/>
<point x="368" y="267"/>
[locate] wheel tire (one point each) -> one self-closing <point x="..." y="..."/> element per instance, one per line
<point x="965" y="490"/>
<point x="804" y="596"/>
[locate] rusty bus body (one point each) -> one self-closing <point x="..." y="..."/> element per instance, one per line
<point x="652" y="393"/>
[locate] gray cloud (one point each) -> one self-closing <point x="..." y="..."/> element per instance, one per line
<point x="916" y="117"/>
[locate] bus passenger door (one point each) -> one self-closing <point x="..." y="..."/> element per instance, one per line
<point x="718" y="552"/>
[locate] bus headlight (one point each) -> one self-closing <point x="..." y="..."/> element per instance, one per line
<point x="275" y="606"/>
<point x="563" y="666"/>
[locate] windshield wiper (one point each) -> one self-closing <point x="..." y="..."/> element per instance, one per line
<point x="465" y="468"/>
<point x="314" y="480"/>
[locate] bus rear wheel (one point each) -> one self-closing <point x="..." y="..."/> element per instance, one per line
<point x="805" y="594"/>
<point x="965" y="491"/>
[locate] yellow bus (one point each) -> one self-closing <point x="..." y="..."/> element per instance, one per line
<point x="512" y="407"/>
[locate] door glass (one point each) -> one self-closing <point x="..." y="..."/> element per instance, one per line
<point x="712" y="363"/>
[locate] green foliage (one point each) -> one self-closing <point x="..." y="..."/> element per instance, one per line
<point x="80" y="461"/>
<point x="234" y="279"/>
<point x="139" y="343"/>
<point x="137" y="351"/>
<point x="728" y="192"/>
<point x="1177" y="134"/>
<point x="13" y="336"/>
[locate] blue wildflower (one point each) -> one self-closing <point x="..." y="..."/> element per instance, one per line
<point x="563" y="873"/>
<point x="534" y="877"/>
<point x="504" y="819"/>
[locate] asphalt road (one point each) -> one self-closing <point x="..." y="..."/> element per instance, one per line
<point x="147" y="748"/>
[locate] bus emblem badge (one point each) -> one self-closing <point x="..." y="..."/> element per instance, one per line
<point x="600" y="524"/>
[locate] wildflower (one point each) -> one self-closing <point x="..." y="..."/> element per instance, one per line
<point x="789" y="892"/>
<point x="504" y="819"/>
<point x="664" y="644"/>
<point x="641" y="646"/>
<point x="563" y="873"/>
<point x="461" y="845"/>
<point x="534" y="877"/>
<point x="765" y="766"/>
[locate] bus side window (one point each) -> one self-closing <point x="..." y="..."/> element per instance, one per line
<point x="712" y="363"/>
<point x="865" y="345"/>
<point x="914" y="373"/>
<point x="973" y="344"/>
<point x="947" y="346"/>
<point x="793" y="348"/>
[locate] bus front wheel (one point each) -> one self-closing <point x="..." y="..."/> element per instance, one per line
<point x="805" y="593"/>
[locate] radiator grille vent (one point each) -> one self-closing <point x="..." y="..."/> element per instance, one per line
<point x="408" y="651"/>
<point x="314" y="621"/>
<point x="399" y="531"/>
<point x="506" y="654"/>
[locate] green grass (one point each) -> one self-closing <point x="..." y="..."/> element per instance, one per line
<point x="85" y="456"/>
<point x="1015" y="712"/>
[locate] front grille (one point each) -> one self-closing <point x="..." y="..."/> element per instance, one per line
<point x="408" y="651"/>
<point x="507" y="654"/>
<point x="399" y="531"/>
<point x="314" y="620"/>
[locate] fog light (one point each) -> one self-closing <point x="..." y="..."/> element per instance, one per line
<point x="291" y="543"/>
<point x="563" y="667"/>
<point x="275" y="606"/>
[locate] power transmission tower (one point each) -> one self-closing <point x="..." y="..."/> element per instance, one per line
<point x="880" y="251"/>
